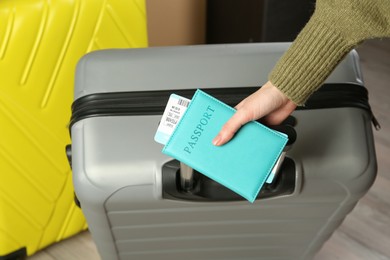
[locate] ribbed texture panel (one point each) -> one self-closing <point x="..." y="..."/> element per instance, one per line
<point x="309" y="61"/>
<point x="335" y="28"/>
<point x="222" y="232"/>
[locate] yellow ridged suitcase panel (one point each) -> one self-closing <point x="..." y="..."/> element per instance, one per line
<point x="40" y="44"/>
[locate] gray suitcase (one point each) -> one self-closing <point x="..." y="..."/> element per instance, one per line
<point x="130" y="192"/>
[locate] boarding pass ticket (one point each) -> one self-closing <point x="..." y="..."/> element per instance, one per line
<point x="173" y="112"/>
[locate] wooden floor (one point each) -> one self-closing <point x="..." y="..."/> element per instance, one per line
<point x="365" y="233"/>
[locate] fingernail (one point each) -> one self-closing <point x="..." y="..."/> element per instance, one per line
<point x="217" y="140"/>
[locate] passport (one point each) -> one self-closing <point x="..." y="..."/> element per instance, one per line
<point x="243" y="164"/>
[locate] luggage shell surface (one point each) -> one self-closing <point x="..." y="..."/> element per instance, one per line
<point x="117" y="166"/>
<point x="40" y="44"/>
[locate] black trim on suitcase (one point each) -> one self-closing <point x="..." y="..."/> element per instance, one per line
<point x="144" y="102"/>
<point x="19" y="254"/>
<point x="154" y="102"/>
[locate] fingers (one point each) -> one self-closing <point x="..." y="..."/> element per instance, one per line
<point x="242" y="116"/>
<point x="279" y="115"/>
<point x="231" y="127"/>
<point x="267" y="101"/>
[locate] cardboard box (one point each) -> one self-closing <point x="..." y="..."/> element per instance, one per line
<point x="176" y="22"/>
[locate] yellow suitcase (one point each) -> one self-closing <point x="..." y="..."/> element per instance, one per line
<point x="40" y="44"/>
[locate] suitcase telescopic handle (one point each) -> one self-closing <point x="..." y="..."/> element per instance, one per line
<point x="186" y="177"/>
<point x="292" y="137"/>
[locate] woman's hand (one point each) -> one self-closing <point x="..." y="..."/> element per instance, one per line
<point x="268" y="103"/>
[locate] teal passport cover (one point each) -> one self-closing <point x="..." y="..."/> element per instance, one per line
<point x="243" y="164"/>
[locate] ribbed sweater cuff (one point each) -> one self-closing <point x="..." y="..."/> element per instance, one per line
<point x="306" y="64"/>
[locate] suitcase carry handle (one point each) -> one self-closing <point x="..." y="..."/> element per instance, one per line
<point x="205" y="189"/>
<point x="286" y="127"/>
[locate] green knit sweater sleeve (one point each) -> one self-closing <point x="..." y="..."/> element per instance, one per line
<point x="335" y="28"/>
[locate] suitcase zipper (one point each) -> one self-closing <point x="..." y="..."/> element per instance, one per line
<point x="153" y="102"/>
<point x="342" y="95"/>
<point x="144" y="102"/>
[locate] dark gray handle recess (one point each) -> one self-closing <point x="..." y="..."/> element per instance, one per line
<point x="205" y="189"/>
<point x="182" y="182"/>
